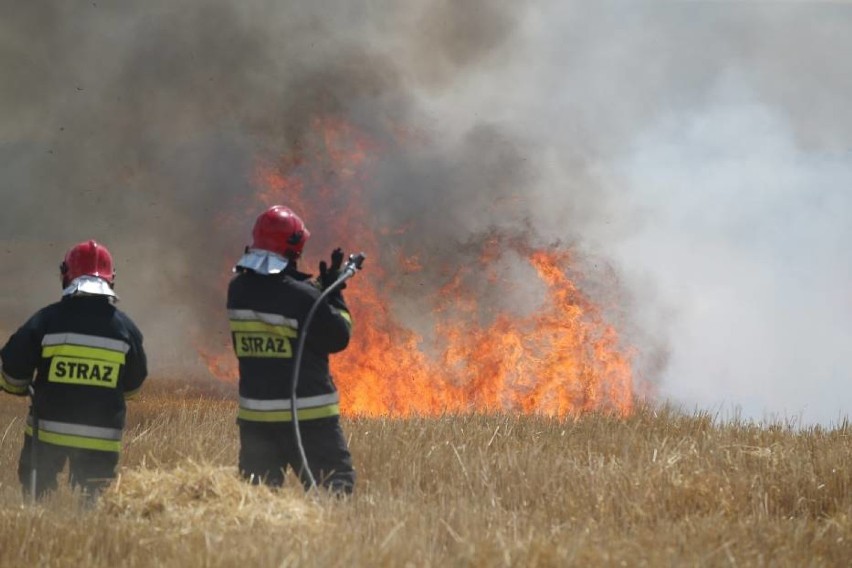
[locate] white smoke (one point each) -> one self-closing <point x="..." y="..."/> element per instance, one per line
<point x="745" y="237"/>
<point x="703" y="148"/>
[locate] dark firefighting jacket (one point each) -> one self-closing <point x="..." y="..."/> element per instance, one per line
<point x="87" y="357"/>
<point x="267" y="314"/>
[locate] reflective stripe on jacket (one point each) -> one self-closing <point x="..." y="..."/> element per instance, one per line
<point x="89" y="360"/>
<point x="12" y="385"/>
<point x="76" y="435"/>
<point x="278" y="410"/>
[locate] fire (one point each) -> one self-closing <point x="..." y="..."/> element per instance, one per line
<point x="559" y="359"/>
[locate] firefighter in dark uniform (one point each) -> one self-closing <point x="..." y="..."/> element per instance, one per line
<point x="87" y="358"/>
<point x="268" y="301"/>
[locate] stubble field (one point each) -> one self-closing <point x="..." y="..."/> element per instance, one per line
<point x="656" y="489"/>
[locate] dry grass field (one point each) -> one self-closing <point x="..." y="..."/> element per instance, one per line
<point x="656" y="489"/>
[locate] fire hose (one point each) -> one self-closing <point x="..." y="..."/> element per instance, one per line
<point x="353" y="265"/>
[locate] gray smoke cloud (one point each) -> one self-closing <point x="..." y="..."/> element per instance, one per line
<point x="142" y="127"/>
<point x="695" y="154"/>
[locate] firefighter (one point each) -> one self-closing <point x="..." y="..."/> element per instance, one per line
<point x="87" y="358"/>
<point x="268" y="301"/>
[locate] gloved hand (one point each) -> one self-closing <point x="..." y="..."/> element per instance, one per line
<point x="329" y="274"/>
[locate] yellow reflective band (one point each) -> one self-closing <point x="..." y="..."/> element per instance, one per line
<point x="263" y="327"/>
<point x="83" y="352"/>
<point x="287" y="416"/>
<point x="131" y="394"/>
<point x="81" y="442"/>
<point x="88" y="372"/>
<point x="10" y="388"/>
<point x="285" y="403"/>
<point x="347" y="316"/>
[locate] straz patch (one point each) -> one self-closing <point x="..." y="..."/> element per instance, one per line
<point x="256" y="338"/>
<point x="82" y="371"/>
<point x="262" y="344"/>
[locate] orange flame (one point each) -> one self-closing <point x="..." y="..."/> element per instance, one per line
<point x="560" y="359"/>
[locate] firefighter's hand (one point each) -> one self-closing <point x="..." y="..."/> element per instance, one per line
<point x="329" y="274"/>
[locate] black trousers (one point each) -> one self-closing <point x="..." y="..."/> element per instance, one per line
<point x="267" y="449"/>
<point x="90" y="470"/>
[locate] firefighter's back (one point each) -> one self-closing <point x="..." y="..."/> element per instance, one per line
<point x="79" y="358"/>
<point x="85" y="346"/>
<point x="268" y="303"/>
<point x="87" y="357"/>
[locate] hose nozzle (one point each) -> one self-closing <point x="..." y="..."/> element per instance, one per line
<point x="354" y="264"/>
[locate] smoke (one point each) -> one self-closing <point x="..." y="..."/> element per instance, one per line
<point x="721" y="152"/>
<point x="142" y="126"/>
<point x="695" y="155"/>
<point x="747" y="234"/>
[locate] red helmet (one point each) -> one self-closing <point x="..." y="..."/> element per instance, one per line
<point x="281" y="231"/>
<point x="87" y="259"/>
